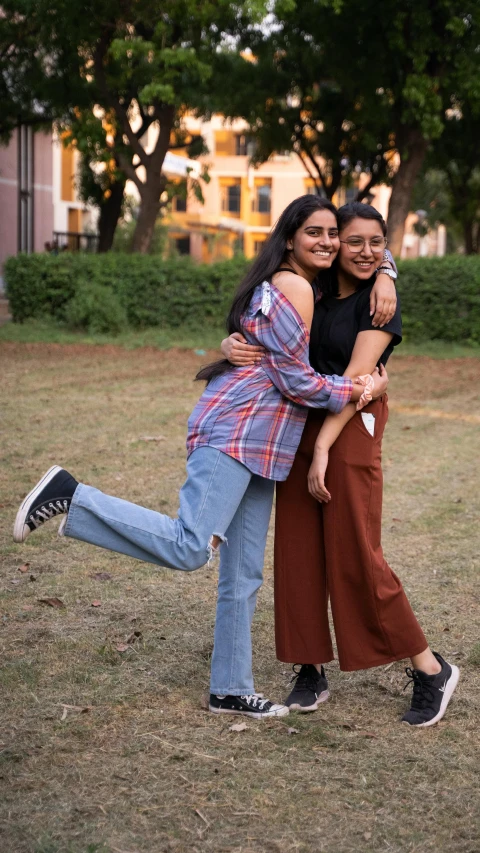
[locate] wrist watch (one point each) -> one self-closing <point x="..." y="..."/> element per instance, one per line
<point x="388" y="271"/>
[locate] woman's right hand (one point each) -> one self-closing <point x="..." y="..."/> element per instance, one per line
<point x="240" y="353"/>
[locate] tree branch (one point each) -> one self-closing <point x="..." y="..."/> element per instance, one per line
<point x="374" y="179"/>
<point x="113" y="102"/>
<point x="130" y="171"/>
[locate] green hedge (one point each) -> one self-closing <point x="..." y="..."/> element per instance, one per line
<point x="440" y="298"/>
<point x="105" y="293"/>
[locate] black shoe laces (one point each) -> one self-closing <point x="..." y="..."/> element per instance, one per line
<point x="423" y="692"/>
<point x="304" y="681"/>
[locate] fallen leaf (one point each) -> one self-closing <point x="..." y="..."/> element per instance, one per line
<point x="367" y="835"/>
<point x="25" y="568"/>
<point x="238" y="727"/>
<point x="396" y="519"/>
<point x="28" y="607"/>
<point x="122" y="647"/>
<point x="101" y="576"/>
<point x="96" y="603"/>
<point x="406" y="427"/>
<point x="32" y="578"/>
<point x="292" y="731"/>
<point x="81" y="709"/>
<point x="152" y="438"/>
<point x="51" y="602"/>
<point x="16" y="580"/>
<point x="369" y="734"/>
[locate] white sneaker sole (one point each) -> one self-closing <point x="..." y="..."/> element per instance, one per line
<point x="305" y="710"/>
<point x="282" y="712"/>
<point x="20" y="528"/>
<point x="449" y="689"/>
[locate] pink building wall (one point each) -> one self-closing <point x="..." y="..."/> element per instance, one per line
<point x="42" y="195"/>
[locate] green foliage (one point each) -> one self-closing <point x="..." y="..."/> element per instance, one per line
<point x="123" y="240"/>
<point x="107" y="72"/>
<point x="96" y="308"/>
<point x="440" y="298"/>
<point x="102" y="294"/>
<point x="349" y="83"/>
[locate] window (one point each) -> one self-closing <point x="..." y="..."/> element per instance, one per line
<point x="180" y="204"/>
<point x="182" y="245"/>
<point x="258" y="246"/>
<point x="231" y="198"/>
<point x="25" y="189"/>
<point x="262" y="200"/>
<point x="244" y="145"/>
<point x="311" y="189"/>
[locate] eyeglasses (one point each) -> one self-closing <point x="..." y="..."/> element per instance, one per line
<point x="357" y="244"/>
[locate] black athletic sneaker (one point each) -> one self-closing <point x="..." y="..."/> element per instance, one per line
<point x="248" y="706"/>
<point x="50" y="497"/>
<point x="431" y="693"/>
<point x="311" y="688"/>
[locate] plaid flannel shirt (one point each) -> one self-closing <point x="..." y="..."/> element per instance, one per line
<point x="256" y="414"/>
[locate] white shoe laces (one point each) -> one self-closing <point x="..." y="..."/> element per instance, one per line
<point x="45" y="512"/>
<point x="255" y="701"/>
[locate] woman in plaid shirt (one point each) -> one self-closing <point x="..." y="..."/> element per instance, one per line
<point x="242" y="436"/>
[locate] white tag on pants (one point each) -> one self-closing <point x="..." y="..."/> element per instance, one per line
<point x="369" y="421"/>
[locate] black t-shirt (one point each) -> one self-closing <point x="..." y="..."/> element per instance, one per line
<point x="336" y="324"/>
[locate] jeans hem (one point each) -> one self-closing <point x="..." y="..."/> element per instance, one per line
<point x="72" y="508"/>
<point x="233" y="691"/>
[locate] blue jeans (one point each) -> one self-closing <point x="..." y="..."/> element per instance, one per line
<point x="220" y="497"/>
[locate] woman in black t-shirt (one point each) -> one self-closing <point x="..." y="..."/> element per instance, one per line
<point x="328" y="511"/>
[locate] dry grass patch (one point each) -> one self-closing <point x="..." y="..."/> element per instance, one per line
<point x="105" y="746"/>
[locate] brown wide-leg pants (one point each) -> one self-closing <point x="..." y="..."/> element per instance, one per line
<point x="334" y="551"/>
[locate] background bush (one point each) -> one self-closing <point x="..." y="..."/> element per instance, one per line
<point x="441" y="298"/>
<point x="104" y="293"/>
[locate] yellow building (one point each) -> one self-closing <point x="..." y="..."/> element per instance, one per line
<point x="241" y="202"/>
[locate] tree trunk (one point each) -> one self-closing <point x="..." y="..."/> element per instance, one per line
<point x="468" y="236"/>
<point x="147" y="217"/>
<point x="412" y="154"/>
<point x="110" y="212"/>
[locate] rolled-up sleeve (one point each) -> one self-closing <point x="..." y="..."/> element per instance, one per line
<point x="286" y="362"/>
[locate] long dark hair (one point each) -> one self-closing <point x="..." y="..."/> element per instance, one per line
<point x="271" y="257"/>
<point x="327" y="279"/>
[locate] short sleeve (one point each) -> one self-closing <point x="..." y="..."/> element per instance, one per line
<point x="365" y="320"/>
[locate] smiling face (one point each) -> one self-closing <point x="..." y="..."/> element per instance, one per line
<point x="361" y="264"/>
<point x="315" y="244"/>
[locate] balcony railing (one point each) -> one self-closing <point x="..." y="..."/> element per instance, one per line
<point x="73" y="241"/>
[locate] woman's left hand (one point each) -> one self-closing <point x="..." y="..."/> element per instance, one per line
<point x="383" y="298"/>
<point x="380" y="381"/>
<point x="316" y="477"/>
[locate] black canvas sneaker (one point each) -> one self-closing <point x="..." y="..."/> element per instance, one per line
<point x="311" y="688"/>
<point x="51" y="496"/>
<point x="254" y="706"/>
<point x="431" y="693"/>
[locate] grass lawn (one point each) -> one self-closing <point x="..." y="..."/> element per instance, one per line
<point x="105" y="743"/>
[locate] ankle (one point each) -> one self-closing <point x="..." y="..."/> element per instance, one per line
<point x="426" y="662"/>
